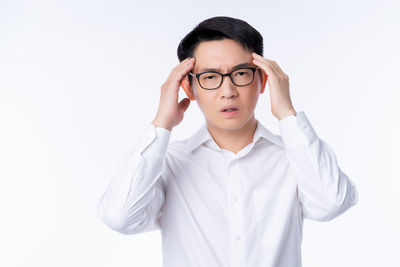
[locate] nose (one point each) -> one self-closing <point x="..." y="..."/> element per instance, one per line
<point x="227" y="88"/>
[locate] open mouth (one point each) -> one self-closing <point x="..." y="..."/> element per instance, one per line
<point x="230" y="110"/>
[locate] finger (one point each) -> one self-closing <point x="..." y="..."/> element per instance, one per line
<point x="278" y="68"/>
<point x="268" y="68"/>
<point x="272" y="63"/>
<point x="187" y="67"/>
<point x="274" y="67"/>
<point x="188" y="62"/>
<point x="180" y="72"/>
<point x="182" y="66"/>
<point x="189" y="59"/>
<point x="184" y="103"/>
<point x="186" y="59"/>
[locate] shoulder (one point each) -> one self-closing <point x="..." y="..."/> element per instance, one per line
<point x="178" y="148"/>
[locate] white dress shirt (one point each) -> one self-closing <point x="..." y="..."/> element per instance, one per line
<point x="218" y="208"/>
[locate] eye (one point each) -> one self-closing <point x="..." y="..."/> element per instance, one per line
<point x="241" y="73"/>
<point x="209" y="77"/>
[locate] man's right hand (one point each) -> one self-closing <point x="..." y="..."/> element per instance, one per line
<point x="170" y="112"/>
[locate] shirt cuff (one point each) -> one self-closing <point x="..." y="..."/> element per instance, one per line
<point x="296" y="130"/>
<point x="153" y="141"/>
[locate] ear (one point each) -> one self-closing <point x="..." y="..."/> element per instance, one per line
<point x="263" y="81"/>
<point x="188" y="88"/>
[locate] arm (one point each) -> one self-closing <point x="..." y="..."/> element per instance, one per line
<point x="134" y="198"/>
<point x="324" y="190"/>
<point x="132" y="201"/>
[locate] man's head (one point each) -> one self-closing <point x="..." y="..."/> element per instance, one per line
<point x="222" y="43"/>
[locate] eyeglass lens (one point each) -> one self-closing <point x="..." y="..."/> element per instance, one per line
<point x="240" y="77"/>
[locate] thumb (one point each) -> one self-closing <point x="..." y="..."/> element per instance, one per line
<point x="184" y="104"/>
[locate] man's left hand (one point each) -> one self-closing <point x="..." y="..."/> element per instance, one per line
<point x="278" y="82"/>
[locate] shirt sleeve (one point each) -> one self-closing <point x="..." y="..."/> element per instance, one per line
<point x="324" y="190"/>
<point x="132" y="202"/>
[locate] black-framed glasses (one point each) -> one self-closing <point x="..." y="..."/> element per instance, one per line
<point x="211" y="80"/>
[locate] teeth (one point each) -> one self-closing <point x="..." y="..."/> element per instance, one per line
<point x="230" y="109"/>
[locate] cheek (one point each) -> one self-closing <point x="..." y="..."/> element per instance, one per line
<point x="206" y="102"/>
<point x="200" y="99"/>
<point x="251" y="101"/>
<point x="252" y="96"/>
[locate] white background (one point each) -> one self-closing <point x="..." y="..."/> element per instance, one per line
<point x="80" y="80"/>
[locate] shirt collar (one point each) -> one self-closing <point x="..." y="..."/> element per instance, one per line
<point x="203" y="135"/>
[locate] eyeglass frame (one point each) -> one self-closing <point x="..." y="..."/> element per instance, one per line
<point x="197" y="75"/>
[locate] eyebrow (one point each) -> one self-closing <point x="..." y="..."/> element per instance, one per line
<point x="245" y="64"/>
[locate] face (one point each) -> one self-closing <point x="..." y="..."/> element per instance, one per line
<point x="223" y="55"/>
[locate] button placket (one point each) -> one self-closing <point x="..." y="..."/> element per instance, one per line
<point x="236" y="213"/>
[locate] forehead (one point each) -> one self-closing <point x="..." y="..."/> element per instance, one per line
<point x="220" y="55"/>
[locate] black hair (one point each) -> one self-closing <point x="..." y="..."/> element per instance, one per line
<point x="219" y="28"/>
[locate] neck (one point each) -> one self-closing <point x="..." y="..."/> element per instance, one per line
<point x="234" y="139"/>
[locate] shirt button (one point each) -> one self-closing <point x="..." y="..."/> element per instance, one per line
<point x="235" y="198"/>
<point x="237" y="237"/>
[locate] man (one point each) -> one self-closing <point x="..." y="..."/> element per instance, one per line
<point x="234" y="193"/>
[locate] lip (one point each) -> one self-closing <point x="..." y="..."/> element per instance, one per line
<point x="229" y="106"/>
<point x="230" y="113"/>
